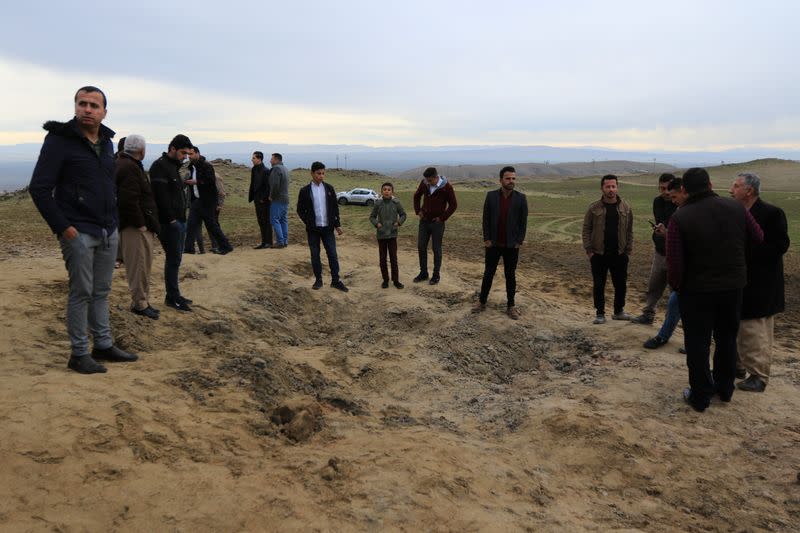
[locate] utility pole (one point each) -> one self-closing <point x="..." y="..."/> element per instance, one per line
<point x="337" y="160"/>
<point x="345" y="161"/>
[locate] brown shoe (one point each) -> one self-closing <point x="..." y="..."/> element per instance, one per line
<point x="513" y="314"/>
<point x="478" y="307"/>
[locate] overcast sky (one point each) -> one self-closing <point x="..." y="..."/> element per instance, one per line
<point x="680" y="75"/>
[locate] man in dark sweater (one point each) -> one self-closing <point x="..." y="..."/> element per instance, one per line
<point x="663" y="208"/>
<point x="763" y="295"/>
<point x="168" y="189"/>
<point x="438" y="204"/>
<point x="259" y="196"/>
<point x="505" y="221"/>
<point x="73" y="188"/>
<point x="203" y="184"/>
<point x="608" y="240"/>
<point x="706" y="242"/>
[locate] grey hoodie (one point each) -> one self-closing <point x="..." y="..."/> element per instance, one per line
<point x="279" y="183"/>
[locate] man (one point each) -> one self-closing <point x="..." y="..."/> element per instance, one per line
<point x="279" y="200"/>
<point x="763" y="295"/>
<point x="204" y="202"/>
<point x="678" y="196"/>
<point x="138" y="224"/>
<point x="663" y="207"/>
<point x="73" y="188"/>
<point x="168" y="189"/>
<point x="318" y="209"/>
<point x="505" y="221"/>
<point x="706" y="241"/>
<point x="438" y="204"/>
<point x="259" y="196"/>
<point x="608" y="241"/>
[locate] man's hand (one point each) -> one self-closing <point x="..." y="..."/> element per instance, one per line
<point x="69" y="233"/>
<point x="589" y="254"/>
<point x="190" y="182"/>
<point x="379" y="225"/>
<point x="396" y="224"/>
<point x="339" y="231"/>
<point x="659" y="229"/>
<point x="143" y="229"/>
<point x="173" y="221"/>
<point x="518" y="245"/>
<point x="219" y="208"/>
<point x="487" y="244"/>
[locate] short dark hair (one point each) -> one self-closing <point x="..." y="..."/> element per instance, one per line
<point x="429" y="172"/>
<point x="696" y="180"/>
<point x="279" y="157"/>
<point x="196" y="149"/>
<point x="507" y="169"/>
<point x="316" y="165"/>
<point x="666" y="177"/>
<point x="92" y="89"/>
<point x="259" y="155"/>
<point x="121" y="145"/>
<point x="180" y="142"/>
<point x="675" y="184"/>
<point x="389" y="184"/>
<point x="608" y="177"/>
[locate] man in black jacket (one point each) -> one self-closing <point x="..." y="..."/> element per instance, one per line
<point x="663" y="208"/>
<point x="763" y="295"/>
<point x="138" y="223"/>
<point x="204" y="203"/>
<point x="73" y="188"/>
<point x="505" y="221"/>
<point x="706" y="241"/>
<point x="318" y="209"/>
<point x="259" y="195"/>
<point x="168" y="188"/>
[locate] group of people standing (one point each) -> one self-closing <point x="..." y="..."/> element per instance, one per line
<point x="723" y="258"/>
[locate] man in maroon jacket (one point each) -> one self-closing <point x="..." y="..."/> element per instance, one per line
<point x="438" y="204"/>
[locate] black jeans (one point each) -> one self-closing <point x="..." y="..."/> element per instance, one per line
<point x="705" y="314"/>
<point x="388" y="246"/>
<point x="601" y="265"/>
<point x="491" y="259"/>
<point x="172" y="238"/>
<point x="205" y="214"/>
<point x="328" y="239"/>
<point x="264" y="222"/>
<point x="428" y="230"/>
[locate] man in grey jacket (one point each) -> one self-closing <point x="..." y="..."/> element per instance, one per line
<point x="505" y="221"/>
<point x="279" y="198"/>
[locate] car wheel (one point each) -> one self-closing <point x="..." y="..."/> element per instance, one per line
<point x="370" y="202"/>
<point x="342" y="201"/>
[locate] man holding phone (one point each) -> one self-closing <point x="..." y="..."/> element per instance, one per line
<point x="663" y="208"/>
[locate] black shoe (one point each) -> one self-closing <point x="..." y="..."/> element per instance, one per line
<point x="149" y="312"/>
<point x="317" y="285"/>
<point x="434" y="279"/>
<point x="114" y="354"/>
<point x="278" y="246"/>
<point x="752" y="384"/>
<point x="339" y="285"/>
<point x="180" y="306"/>
<point x="682" y="350"/>
<point x="741" y="373"/>
<point x="654" y="342"/>
<point x="420" y="277"/>
<point x="223" y="252"/>
<point x="189" y="252"/>
<point x="214" y="250"/>
<point x="385" y="284"/>
<point x="398" y="285"/>
<point x="262" y="246"/>
<point x="153" y="309"/>
<point x="183" y="300"/>
<point x="643" y="319"/>
<point x="86" y="365"/>
<point x="687" y="397"/>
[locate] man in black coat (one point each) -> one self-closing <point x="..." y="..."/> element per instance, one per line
<point x="318" y="209"/>
<point x="763" y="295"/>
<point x="204" y="203"/>
<point x="505" y="221"/>
<point x="259" y="195"/>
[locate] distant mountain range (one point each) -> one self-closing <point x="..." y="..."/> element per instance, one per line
<point x="17" y="161"/>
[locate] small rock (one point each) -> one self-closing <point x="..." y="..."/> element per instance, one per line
<point x="259" y="363"/>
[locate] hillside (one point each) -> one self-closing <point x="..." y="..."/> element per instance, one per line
<point x="776" y="174"/>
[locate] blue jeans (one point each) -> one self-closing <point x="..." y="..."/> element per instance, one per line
<point x="172" y="238"/>
<point x="672" y="318"/>
<point x="90" y="265"/>
<point x="278" y="215"/>
<point x="328" y="239"/>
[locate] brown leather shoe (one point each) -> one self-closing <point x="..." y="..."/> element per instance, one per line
<point x="512" y="313"/>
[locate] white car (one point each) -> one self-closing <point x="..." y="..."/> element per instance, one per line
<point x="357" y="196"/>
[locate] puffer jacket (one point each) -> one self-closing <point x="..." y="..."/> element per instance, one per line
<point x="387" y="213"/>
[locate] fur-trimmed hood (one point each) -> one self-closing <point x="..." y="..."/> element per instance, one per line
<point x="70" y="129"/>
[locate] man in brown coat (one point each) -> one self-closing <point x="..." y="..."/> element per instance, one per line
<point x="138" y="223"/>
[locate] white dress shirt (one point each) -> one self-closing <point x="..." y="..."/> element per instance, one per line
<point x="320" y="204"/>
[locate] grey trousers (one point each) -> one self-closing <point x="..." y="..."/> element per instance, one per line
<point x="90" y="265"/>
<point x="657" y="283"/>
